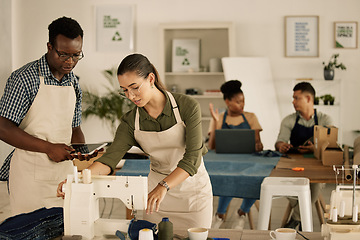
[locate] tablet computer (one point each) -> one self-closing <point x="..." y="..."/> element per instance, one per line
<point x="85" y="148"/>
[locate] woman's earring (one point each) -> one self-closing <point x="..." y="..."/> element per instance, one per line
<point x="152" y="86"/>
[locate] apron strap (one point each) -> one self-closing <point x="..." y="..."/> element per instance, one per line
<point x="137" y="119"/>
<point x="42" y="80"/>
<point x="174" y="107"/>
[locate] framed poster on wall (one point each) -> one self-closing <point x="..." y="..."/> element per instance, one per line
<point x="346" y="35"/>
<point x="185" y="55"/>
<point x="114" y="28"/>
<point x="301" y="36"/>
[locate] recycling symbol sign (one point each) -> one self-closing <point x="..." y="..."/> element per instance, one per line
<point x="117" y="36"/>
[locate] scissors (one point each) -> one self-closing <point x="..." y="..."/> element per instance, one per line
<point x="296" y="169"/>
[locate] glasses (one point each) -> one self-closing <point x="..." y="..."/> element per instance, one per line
<point x="126" y="92"/>
<point x="64" y="56"/>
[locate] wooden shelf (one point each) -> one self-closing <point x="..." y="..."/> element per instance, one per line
<point x="318" y="80"/>
<point x="217" y="40"/>
<point x="206" y="96"/>
<point x="194" y="74"/>
<point x="206" y="118"/>
<point x="323" y="105"/>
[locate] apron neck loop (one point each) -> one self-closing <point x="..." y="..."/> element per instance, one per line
<point x="137" y="119"/>
<point x="175" y="107"/>
<point x="42" y="81"/>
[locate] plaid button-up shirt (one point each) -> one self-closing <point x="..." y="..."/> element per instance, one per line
<point x="20" y="91"/>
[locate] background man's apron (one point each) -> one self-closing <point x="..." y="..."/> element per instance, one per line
<point x="300" y="134"/>
<point x="33" y="177"/>
<point x="190" y="203"/>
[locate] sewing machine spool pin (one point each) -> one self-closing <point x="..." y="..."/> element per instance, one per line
<point x="343" y="223"/>
<point x="133" y="210"/>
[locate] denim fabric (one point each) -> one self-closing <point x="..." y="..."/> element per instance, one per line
<point x="41" y="224"/>
<point x="269" y="153"/>
<point x="246" y="204"/>
<point x="231" y="175"/>
<point x="136" y="225"/>
<point x="223" y="204"/>
<point x="238" y="175"/>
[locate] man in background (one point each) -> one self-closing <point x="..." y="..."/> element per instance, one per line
<point x="40" y="115"/>
<point x="296" y="132"/>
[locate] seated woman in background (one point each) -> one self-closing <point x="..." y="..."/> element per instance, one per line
<point x="233" y="118"/>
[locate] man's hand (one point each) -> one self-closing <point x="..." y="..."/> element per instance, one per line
<point x="308" y="148"/>
<point x="86" y="157"/>
<point x="59" y="192"/>
<point x="283" y="147"/>
<point x="59" y="152"/>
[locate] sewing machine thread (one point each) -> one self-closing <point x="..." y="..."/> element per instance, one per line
<point x="165" y="229"/>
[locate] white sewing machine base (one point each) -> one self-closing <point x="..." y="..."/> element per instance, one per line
<point x="105" y="226"/>
<point x="81" y="205"/>
<point x="341" y="230"/>
<point x="344" y="228"/>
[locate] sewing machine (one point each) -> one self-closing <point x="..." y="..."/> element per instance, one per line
<point x="343" y="217"/>
<point x="81" y="206"/>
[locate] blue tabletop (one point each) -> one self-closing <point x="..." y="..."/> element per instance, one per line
<point x="233" y="175"/>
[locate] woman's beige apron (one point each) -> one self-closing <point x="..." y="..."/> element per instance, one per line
<point x="33" y="177"/>
<point x="190" y="203"/>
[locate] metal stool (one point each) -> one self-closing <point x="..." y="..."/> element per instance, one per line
<point x="285" y="187"/>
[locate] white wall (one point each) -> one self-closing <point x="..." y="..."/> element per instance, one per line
<point x="259" y="32"/>
<point x="5" y="59"/>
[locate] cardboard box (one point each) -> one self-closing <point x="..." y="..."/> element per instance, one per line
<point x="331" y="156"/>
<point x="324" y="134"/>
<point x="325" y="145"/>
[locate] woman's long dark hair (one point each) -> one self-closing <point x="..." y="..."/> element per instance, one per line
<point x="140" y="65"/>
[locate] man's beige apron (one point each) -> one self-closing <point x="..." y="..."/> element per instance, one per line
<point x="190" y="203"/>
<point x="33" y="177"/>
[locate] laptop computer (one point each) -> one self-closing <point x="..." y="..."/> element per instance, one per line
<point x="235" y="140"/>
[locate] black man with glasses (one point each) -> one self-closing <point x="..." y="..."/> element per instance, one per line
<point x="40" y="115"/>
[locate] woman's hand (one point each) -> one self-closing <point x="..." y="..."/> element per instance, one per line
<point x="259" y="146"/>
<point x="214" y="113"/>
<point x="59" y="192"/>
<point x="86" y="157"/>
<point x="155" y="197"/>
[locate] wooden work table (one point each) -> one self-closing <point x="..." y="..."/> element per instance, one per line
<point x="233" y="234"/>
<point x="313" y="169"/>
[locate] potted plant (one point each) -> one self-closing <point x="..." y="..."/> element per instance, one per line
<point x="329" y="68"/>
<point x="110" y="106"/>
<point x="332" y="100"/>
<point x="328" y="99"/>
<point x="316" y="100"/>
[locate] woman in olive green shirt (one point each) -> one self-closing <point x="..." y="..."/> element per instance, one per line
<point x="167" y="127"/>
